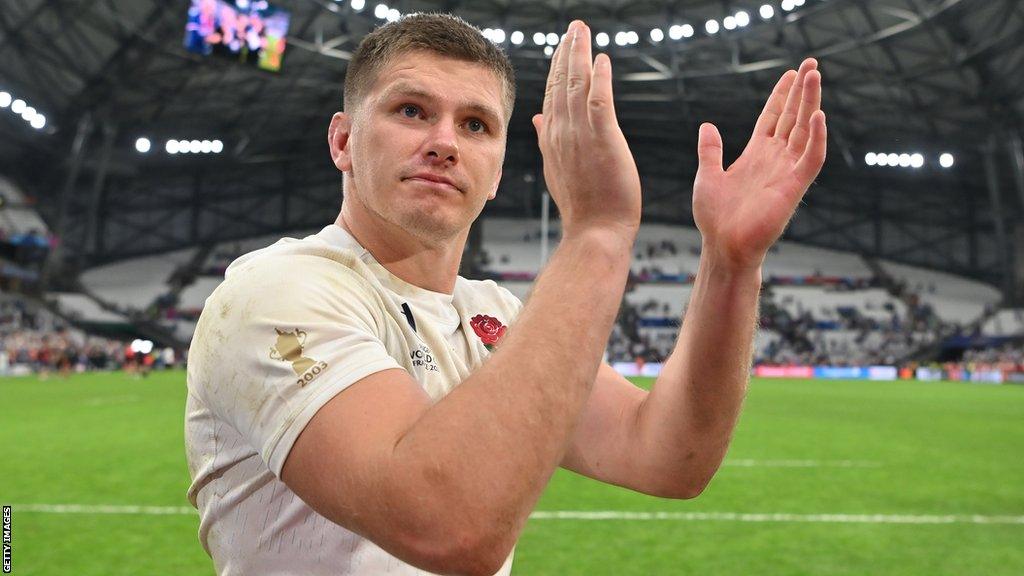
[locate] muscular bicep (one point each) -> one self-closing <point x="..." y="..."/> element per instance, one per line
<point x="606" y="445"/>
<point x="342" y="465"/>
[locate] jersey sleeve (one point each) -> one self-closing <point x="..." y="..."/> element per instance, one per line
<point x="278" y="339"/>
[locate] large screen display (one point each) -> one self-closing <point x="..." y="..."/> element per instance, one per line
<point x="250" y="31"/>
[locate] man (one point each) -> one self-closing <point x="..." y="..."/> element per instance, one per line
<point x="355" y="407"/>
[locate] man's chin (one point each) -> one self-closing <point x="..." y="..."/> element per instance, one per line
<point x="431" y="225"/>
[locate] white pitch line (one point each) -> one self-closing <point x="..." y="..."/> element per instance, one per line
<point x="592" y="515"/>
<point x="801" y="463"/>
<point x="777" y="517"/>
<point x="103" y="509"/>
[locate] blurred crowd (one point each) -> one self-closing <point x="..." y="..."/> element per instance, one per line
<point x="35" y="341"/>
<point x="1008" y="357"/>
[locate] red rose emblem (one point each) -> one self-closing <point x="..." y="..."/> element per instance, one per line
<point x="488" y="328"/>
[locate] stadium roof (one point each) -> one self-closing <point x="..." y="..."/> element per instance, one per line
<point x="901" y="76"/>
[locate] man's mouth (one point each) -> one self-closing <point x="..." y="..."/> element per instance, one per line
<point x="434" y="180"/>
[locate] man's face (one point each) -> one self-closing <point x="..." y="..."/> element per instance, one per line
<point x="426" y="144"/>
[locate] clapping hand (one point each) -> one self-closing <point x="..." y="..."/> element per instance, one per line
<point x="588" y="167"/>
<point x="742" y="210"/>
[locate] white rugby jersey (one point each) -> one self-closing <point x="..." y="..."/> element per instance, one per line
<point x="291" y="326"/>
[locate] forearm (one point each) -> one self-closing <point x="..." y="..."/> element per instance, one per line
<point x="492" y="444"/>
<point x="687" y="420"/>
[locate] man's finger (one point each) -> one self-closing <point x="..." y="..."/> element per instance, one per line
<point x="580" y="70"/>
<point x="769" y="117"/>
<point x="554" y="98"/>
<point x="601" y="100"/>
<point x="810" y="102"/>
<point x="810" y="162"/>
<point x="788" y="117"/>
<point x="538" y="125"/>
<point x="709" y="148"/>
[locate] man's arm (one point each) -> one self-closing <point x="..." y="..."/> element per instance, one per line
<point x="671" y="441"/>
<point x="448" y="487"/>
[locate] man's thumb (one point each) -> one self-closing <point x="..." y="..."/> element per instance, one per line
<point x="709" y="147"/>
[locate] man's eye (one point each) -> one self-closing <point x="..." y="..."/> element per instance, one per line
<point x="476" y="126"/>
<point x="410" y="111"/>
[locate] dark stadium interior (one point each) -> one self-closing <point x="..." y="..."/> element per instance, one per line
<point x="899" y="75"/>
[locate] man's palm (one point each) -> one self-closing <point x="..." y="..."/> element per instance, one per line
<point x="742" y="211"/>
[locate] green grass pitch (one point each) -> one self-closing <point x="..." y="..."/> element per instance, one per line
<point x="915" y="449"/>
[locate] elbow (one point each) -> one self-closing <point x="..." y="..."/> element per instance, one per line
<point x="682" y="487"/>
<point x="461" y="552"/>
<point x="682" y="492"/>
<point x="692" y="489"/>
<point x="477" y="557"/>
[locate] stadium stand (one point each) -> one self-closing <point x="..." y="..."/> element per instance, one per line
<point x="85" y="309"/>
<point x="1005" y="322"/>
<point x="953" y="298"/>
<point x="17" y="216"/>
<point x="819" y="306"/>
<point x="25" y="241"/>
<point x="135" y="284"/>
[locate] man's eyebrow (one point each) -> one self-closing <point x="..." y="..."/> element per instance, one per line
<point x="405" y="89"/>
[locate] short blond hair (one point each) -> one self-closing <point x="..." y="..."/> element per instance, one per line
<point x="443" y="34"/>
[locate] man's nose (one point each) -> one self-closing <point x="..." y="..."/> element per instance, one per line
<point x="443" y="145"/>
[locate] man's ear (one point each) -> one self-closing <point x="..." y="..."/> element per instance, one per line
<point x="337" y="138"/>
<point x="497" y="182"/>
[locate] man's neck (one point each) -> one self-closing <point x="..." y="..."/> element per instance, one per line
<point x="432" y="267"/>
